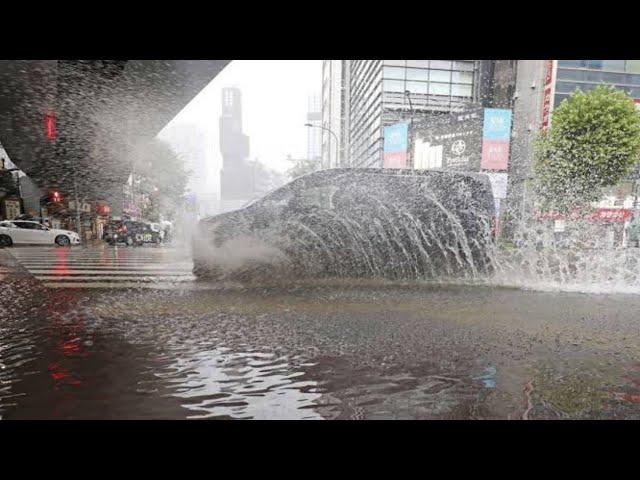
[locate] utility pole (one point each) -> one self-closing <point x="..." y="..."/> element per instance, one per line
<point x="75" y="191"/>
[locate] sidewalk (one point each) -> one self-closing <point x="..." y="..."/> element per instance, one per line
<point x="19" y="290"/>
<point x="10" y="268"/>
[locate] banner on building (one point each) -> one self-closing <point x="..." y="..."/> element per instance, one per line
<point x="396" y="141"/>
<point x="496" y="135"/>
<point x="498" y="184"/>
<point x="450" y="141"/>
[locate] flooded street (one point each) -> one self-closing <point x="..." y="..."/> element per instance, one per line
<point x="348" y="350"/>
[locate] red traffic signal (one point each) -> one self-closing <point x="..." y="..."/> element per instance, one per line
<point x="103" y="209"/>
<point x="55" y="196"/>
<point x="50" y="125"/>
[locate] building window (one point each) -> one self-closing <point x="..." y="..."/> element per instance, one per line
<point x="441" y="64"/>
<point x="439" y="88"/>
<point x="440" y="76"/>
<point x="615" y="65"/>
<point x="461" y="90"/>
<point x="462" y="77"/>
<point x="418" y="63"/>
<point x="463" y="66"/>
<point x="633" y="66"/>
<point x="417" y="87"/>
<point x="394" y="72"/>
<point x="417" y="74"/>
<point x="393" y="86"/>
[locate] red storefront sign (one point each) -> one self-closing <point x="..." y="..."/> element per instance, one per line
<point x="547" y="100"/>
<point x="610" y="215"/>
<point x="599" y="215"/>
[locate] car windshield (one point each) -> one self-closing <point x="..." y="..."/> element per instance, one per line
<point x="320" y="239"/>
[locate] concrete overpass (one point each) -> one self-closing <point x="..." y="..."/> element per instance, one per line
<point x="101" y="109"/>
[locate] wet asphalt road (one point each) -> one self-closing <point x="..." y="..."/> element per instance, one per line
<point x="346" y="350"/>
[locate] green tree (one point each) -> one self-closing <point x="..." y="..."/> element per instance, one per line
<point x="168" y="177"/>
<point x="593" y="142"/>
<point x="302" y="166"/>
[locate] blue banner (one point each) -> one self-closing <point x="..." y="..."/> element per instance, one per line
<point x="497" y="124"/>
<point x="396" y="138"/>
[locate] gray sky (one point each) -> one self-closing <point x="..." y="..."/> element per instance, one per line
<point x="274" y="107"/>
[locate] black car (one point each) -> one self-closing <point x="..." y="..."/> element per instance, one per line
<point x="130" y="232"/>
<point x="383" y="223"/>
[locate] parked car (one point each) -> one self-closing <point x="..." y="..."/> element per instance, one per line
<point x="16" y="232"/>
<point x="355" y="223"/>
<point x="130" y="232"/>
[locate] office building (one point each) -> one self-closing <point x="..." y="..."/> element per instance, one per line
<point x="360" y="97"/>
<point x="540" y="86"/>
<point x="235" y="176"/>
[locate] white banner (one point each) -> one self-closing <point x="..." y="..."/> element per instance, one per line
<point x="499" y="184"/>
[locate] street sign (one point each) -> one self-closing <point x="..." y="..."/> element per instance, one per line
<point x="12" y="208"/>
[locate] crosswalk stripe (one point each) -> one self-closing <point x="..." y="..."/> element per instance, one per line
<point x="103" y="267"/>
<point x="106" y="272"/>
<point x="182" y="278"/>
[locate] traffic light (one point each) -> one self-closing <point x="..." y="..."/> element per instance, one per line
<point x="50" y="125"/>
<point x="55" y="196"/>
<point x="103" y="209"/>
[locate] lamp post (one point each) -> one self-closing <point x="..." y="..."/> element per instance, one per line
<point x="407" y="93"/>
<point x="328" y="130"/>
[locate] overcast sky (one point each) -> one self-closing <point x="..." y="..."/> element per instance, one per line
<point x="274" y="108"/>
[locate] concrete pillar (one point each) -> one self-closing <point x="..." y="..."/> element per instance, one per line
<point x="527" y="119"/>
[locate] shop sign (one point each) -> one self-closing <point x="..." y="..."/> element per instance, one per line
<point x="12" y="208"/>
<point x="598" y="215"/>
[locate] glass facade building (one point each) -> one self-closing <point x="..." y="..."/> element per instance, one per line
<point x="587" y="74"/>
<point x="376" y="93"/>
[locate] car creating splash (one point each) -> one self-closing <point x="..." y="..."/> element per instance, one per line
<point x="400" y="224"/>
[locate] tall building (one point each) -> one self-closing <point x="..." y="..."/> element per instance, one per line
<point x="191" y="143"/>
<point x="360" y="97"/>
<point x="235" y="176"/>
<point x="540" y="86"/>
<point x="335" y="101"/>
<point x="314" y="134"/>
<point x="586" y="74"/>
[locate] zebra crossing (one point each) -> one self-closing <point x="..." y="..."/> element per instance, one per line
<point x="102" y="266"/>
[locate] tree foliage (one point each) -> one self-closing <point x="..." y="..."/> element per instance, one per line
<point x="302" y="166"/>
<point x="166" y="171"/>
<point x="593" y="142"/>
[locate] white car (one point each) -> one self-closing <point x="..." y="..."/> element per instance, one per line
<point x="26" y="232"/>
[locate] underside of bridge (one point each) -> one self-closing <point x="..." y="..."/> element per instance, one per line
<point x="77" y="122"/>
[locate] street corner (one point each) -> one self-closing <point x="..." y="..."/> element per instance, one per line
<point x="13" y="276"/>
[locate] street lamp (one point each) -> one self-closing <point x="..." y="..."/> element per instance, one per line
<point x="328" y="130"/>
<point x="407" y="93"/>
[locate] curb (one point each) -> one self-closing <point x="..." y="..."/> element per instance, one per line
<point x="10" y="268"/>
